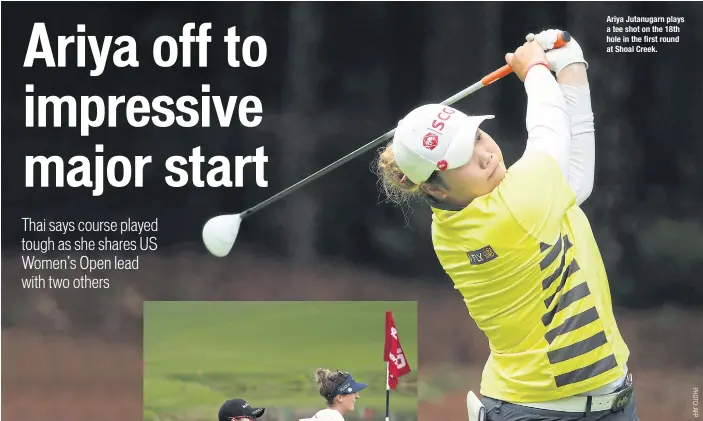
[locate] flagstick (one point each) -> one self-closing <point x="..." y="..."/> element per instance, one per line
<point x="388" y="392"/>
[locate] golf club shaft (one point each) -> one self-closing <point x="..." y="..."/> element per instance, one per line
<point x="562" y="39"/>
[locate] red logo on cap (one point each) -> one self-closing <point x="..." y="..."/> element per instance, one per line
<point x="430" y="141"/>
<point x="442" y="165"/>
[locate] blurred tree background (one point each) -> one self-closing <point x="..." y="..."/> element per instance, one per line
<point x="337" y="76"/>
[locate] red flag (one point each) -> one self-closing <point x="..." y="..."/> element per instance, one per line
<point x="393" y="353"/>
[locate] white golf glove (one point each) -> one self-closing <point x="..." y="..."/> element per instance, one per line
<point x="561" y="57"/>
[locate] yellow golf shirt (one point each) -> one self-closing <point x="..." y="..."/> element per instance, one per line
<point x="525" y="260"/>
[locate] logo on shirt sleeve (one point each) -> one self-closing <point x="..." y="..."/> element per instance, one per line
<point x="481" y="256"/>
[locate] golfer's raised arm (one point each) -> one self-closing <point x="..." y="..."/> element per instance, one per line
<point x="536" y="189"/>
<point x="569" y="65"/>
<point x="582" y="156"/>
<point x="547" y="119"/>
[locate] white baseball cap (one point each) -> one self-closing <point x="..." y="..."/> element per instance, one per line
<point x="434" y="137"/>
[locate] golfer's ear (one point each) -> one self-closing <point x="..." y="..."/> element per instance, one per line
<point x="433" y="190"/>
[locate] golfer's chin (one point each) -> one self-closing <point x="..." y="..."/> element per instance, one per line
<point x="490" y="184"/>
<point x="497" y="176"/>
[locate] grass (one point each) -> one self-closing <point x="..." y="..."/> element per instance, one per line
<point x="198" y="354"/>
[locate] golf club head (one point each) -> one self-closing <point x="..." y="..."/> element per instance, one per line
<point x="220" y="232"/>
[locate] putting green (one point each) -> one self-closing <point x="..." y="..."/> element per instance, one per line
<point x="198" y="354"/>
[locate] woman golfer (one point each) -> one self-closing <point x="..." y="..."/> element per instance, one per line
<point x="340" y="391"/>
<point x="517" y="245"/>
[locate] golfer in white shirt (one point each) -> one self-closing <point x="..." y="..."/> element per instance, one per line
<point x="340" y="391"/>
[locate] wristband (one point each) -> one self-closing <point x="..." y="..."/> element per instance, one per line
<point x="531" y="65"/>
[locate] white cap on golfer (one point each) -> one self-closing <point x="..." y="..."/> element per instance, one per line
<point x="434" y="137"/>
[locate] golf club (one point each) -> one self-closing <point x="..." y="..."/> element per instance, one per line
<point x="220" y="232"/>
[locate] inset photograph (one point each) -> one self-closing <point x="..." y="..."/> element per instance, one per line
<point x="280" y="360"/>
